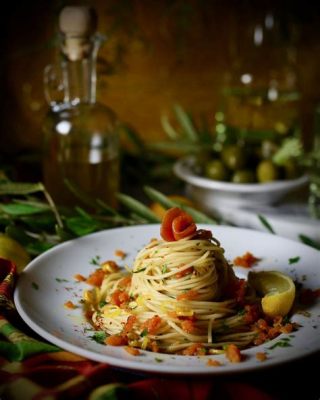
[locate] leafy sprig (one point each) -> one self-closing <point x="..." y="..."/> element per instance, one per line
<point x="29" y="215"/>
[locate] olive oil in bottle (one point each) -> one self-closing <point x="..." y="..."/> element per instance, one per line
<point x="81" y="145"/>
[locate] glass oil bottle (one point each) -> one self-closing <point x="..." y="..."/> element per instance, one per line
<point x="81" y="144"/>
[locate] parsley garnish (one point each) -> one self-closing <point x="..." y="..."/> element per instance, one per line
<point x="61" y="280"/>
<point x="294" y="260"/>
<point x="144" y="332"/>
<point x="95" y="260"/>
<point x="281" y="343"/>
<point x="35" y="285"/>
<point x="159" y="360"/>
<point x="99" y="337"/>
<point x="164" y="268"/>
<point x="102" y="303"/>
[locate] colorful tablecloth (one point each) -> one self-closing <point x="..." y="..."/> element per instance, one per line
<point x="32" y="369"/>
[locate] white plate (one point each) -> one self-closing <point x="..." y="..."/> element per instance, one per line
<point x="48" y="282"/>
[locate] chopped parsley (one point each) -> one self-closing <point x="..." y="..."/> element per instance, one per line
<point x="95" y="260"/>
<point x="99" y="337"/>
<point x="35" y="285"/>
<point x="102" y="303"/>
<point x="144" y="332"/>
<point x="158" y="360"/>
<point x="294" y="260"/>
<point x="164" y="268"/>
<point x="281" y="343"/>
<point x="61" y="280"/>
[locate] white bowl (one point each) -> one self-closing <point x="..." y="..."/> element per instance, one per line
<point x="209" y="193"/>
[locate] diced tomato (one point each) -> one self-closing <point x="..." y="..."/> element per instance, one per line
<point x="189" y="295"/>
<point x="152" y="324"/>
<point x="154" y="346"/>
<point x="233" y="353"/>
<point x="116" y="340"/>
<point x="213" y="363"/>
<point x="185" y="272"/>
<point x="120" y="253"/>
<point x="196" y="349"/>
<point x="246" y="261"/>
<point x="69" y="304"/>
<point x="252" y="313"/>
<point x="126" y="281"/>
<point x="119" y="298"/>
<point x="79" y="278"/>
<point x="132" y="350"/>
<point x="129" y="324"/>
<point x="96" y="278"/>
<point x="188" y="326"/>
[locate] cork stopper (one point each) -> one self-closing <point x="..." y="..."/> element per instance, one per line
<point x="77" y="24"/>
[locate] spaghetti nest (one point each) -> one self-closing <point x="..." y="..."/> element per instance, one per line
<point x="180" y="294"/>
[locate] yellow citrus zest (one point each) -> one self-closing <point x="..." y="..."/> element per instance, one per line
<point x="12" y="250"/>
<point x="277" y="290"/>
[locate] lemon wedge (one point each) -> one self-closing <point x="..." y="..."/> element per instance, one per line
<point x="12" y="250"/>
<point x="277" y="290"/>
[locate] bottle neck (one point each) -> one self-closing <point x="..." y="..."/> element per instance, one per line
<point x="78" y="68"/>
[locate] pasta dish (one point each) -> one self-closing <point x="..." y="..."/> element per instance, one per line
<point x="181" y="296"/>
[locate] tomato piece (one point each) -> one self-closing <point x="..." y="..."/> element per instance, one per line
<point x="183" y="226"/>
<point x="166" y="225"/>
<point x="176" y="225"/>
<point x="233" y="353"/>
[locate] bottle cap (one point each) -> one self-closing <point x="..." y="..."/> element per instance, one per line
<point x="77" y="24"/>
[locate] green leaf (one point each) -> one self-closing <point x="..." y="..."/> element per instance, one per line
<point x="166" y="202"/>
<point x="137" y="207"/>
<point x="168" y="128"/>
<point x="186" y="123"/>
<point x="18" y="234"/>
<point x="20" y="188"/>
<point x="36" y="248"/>
<point x="265" y="223"/>
<point x="310" y="242"/>
<point x="16" y="209"/>
<point x="81" y="226"/>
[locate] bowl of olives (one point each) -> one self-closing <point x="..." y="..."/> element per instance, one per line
<point x="229" y="181"/>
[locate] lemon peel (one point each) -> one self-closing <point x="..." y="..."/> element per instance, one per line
<point x="12" y="250"/>
<point x="277" y="290"/>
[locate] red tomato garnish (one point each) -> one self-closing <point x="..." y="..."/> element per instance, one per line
<point x="176" y="225"/>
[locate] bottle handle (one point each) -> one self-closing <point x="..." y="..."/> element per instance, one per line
<point x="54" y="89"/>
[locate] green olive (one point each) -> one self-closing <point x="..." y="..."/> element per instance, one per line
<point x="267" y="171"/>
<point x="233" y="157"/>
<point x="243" y="176"/>
<point x="215" y="169"/>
